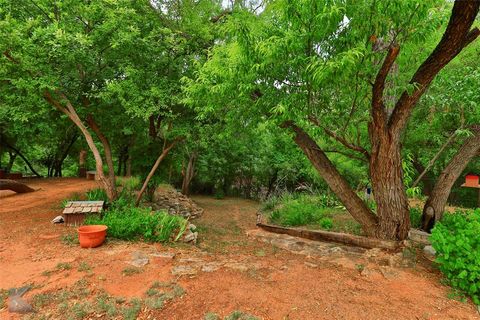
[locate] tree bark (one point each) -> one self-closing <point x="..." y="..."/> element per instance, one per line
<point x="69" y="110"/>
<point x="107" y="150"/>
<point x="160" y="158"/>
<point x="189" y="173"/>
<point x="436" y="202"/>
<point x="357" y="208"/>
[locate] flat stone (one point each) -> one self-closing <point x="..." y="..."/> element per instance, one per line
<point x="182" y="270"/>
<point x="164" y="255"/>
<point x="311" y="265"/>
<point x="237" y="266"/>
<point x="211" y="267"/>
<point x="48" y="236"/>
<point x="388" y="273"/>
<point x="16" y="304"/>
<point x="139" y="259"/>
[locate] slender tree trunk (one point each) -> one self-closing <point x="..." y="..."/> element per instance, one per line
<point x="436" y="202"/>
<point x="128" y="172"/>
<point x="189" y="173"/>
<point x="107" y="150"/>
<point x="11" y="160"/>
<point x="152" y="171"/>
<point x="357" y="208"/>
<point x="18" y="153"/>
<point x="72" y="114"/>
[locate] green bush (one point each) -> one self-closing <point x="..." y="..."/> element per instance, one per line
<point x="326" y="223"/>
<point x="131" y="223"/>
<point x="457" y="243"/>
<point x="298" y="211"/>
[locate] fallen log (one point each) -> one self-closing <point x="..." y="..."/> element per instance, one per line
<point x="7" y="184"/>
<point x="343" y="238"/>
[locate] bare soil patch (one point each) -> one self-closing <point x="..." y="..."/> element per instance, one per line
<point x="226" y="271"/>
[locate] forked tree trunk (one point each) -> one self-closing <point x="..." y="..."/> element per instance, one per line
<point x="436" y="202"/>
<point x="72" y="114"/>
<point x="152" y="171"/>
<point x="107" y="150"/>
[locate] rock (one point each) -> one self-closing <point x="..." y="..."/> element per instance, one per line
<point x="139" y="259"/>
<point x="388" y="273"/>
<point x="429" y="252"/>
<point x="164" y="255"/>
<point x="17" y="304"/>
<point x="190" y="237"/>
<point x="365" y="272"/>
<point x="58" y="219"/>
<point x="167" y="198"/>
<point x="419" y="236"/>
<point x="183" y="270"/>
<point x="211" y="267"/>
<point x="311" y="265"/>
<point x="19" y="291"/>
<point x="237" y="266"/>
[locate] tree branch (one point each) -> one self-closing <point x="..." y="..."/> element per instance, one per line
<point x="456" y="36"/>
<point x="340" y="139"/>
<point x="378" y="108"/>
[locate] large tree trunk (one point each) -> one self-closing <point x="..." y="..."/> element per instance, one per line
<point x="188" y="174"/>
<point x="152" y="171"/>
<point x="389" y="191"/>
<point x="436" y="202"/>
<point x="357" y="208"/>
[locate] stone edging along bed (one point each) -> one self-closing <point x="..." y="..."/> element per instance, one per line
<point x="321" y="235"/>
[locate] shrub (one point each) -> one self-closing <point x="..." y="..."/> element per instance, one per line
<point x="131" y="223"/>
<point x="300" y="211"/>
<point x="326" y="223"/>
<point x="457" y="244"/>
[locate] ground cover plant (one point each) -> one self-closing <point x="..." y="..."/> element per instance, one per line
<point x="457" y="244"/>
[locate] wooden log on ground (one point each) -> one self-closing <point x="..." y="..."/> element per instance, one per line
<point x="343" y="238"/>
<point x="7" y="184"/>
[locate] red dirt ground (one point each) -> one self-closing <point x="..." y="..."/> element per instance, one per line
<point x="279" y="286"/>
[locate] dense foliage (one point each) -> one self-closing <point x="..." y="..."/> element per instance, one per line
<point x="224" y="84"/>
<point x="457" y="244"/>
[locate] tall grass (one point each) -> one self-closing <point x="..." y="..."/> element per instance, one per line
<point x="127" y="222"/>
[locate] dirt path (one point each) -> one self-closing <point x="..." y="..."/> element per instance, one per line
<point x="226" y="271"/>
